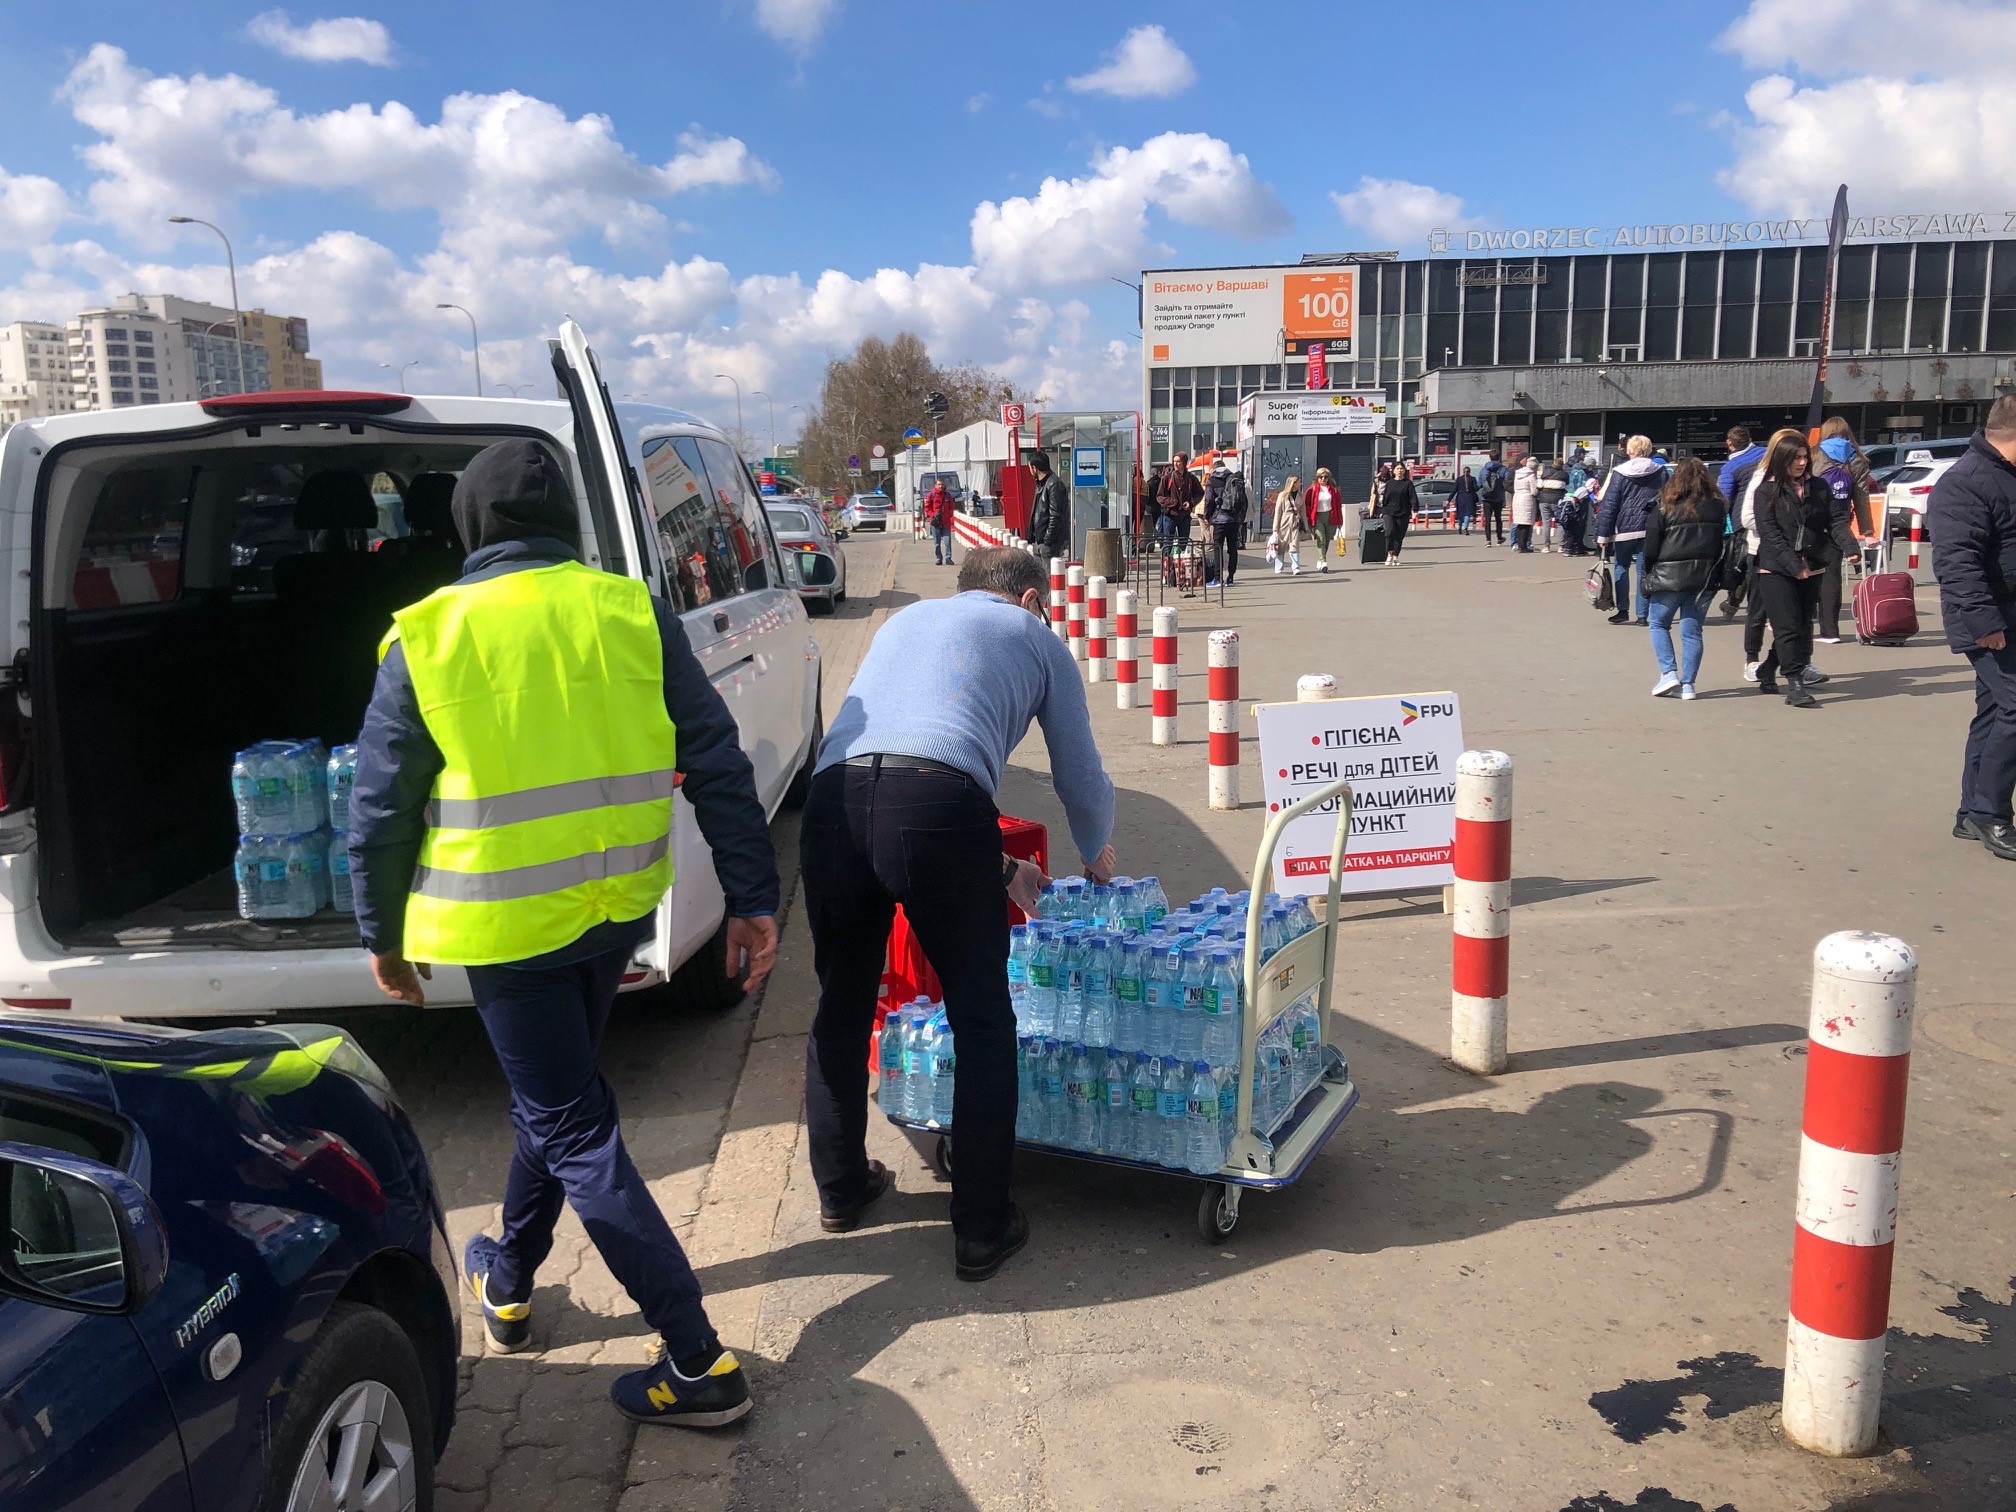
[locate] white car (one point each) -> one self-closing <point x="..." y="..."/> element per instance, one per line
<point x="136" y="668"/>
<point x="1908" y="491"/>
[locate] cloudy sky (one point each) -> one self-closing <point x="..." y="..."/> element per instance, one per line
<point x="751" y="186"/>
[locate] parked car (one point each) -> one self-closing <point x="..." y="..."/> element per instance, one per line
<point x="820" y="563"/>
<point x="868" y="512"/>
<point x="227" y="1283"/>
<point x="1894" y="453"/>
<point x="129" y="685"/>
<point x="1907" y="490"/>
<point x="1432" y="499"/>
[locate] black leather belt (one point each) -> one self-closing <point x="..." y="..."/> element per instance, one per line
<point x="896" y="761"/>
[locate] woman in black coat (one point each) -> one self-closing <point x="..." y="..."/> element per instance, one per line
<point x="1680" y="564"/>
<point x="1798" y="519"/>
<point x="1396" y="505"/>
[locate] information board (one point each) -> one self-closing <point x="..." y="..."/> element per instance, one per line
<point x="1399" y="752"/>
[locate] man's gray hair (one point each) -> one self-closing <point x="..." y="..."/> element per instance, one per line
<point x="1003" y="570"/>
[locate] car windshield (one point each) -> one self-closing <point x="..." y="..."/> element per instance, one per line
<point x="794" y="521"/>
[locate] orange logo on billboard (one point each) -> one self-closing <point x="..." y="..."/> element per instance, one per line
<point x="1320" y="306"/>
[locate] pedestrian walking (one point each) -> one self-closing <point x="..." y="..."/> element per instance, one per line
<point x="1973" y="522"/>
<point x="512" y="815"/>
<point x="1491" y="486"/>
<point x="1743" y="511"/>
<point x="1629" y="493"/>
<point x="1151" y="500"/>
<point x="902" y="811"/>
<point x="1396" y="507"/>
<point x="1525" y="504"/>
<point x="1553" y="487"/>
<point x="1323" y="509"/>
<point x="1050" y="516"/>
<point x="937" y="509"/>
<point x="1796" y="515"/>
<point x="1225" y="508"/>
<point x="1845" y="471"/>
<point x="1743" y="452"/>
<point x="1286" y="541"/>
<point x="1181" y="494"/>
<point x="1465" y="501"/>
<point x="1680" y="565"/>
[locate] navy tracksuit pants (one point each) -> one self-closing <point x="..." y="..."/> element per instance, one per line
<point x="545" y="1024"/>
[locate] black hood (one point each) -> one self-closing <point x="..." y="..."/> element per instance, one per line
<point x="514" y="491"/>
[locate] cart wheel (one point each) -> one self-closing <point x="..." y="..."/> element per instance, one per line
<point x="1218" y="1212"/>
<point x="941" y="1156"/>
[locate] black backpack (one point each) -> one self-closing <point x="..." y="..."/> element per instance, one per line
<point x="1231" y="499"/>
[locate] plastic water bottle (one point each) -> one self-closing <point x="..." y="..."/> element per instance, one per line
<point x="1071" y="986"/>
<point x="1114" y="1135"/>
<point x="1143" y="1082"/>
<point x="1227" y="1078"/>
<point x="1078" y="1114"/>
<point x="1158" y="994"/>
<point x="1053" y="1120"/>
<point x="255" y="889"/>
<point x="1154" y="902"/>
<point x="1129" y="1032"/>
<point x="1301" y="918"/>
<point x="1126" y="906"/>
<point x="341" y="897"/>
<point x="1222" y="1017"/>
<point x="342" y="776"/>
<point x="1203" y="1151"/>
<point x="1027" y="1115"/>
<point x="1098" y="903"/>
<point x="1172" y="1113"/>
<point x="889" y="1064"/>
<point x="1099" y="953"/>
<point x="1195" y="971"/>
<point x="917" y="1060"/>
<point x="245" y="774"/>
<point x="1043" y="981"/>
<point x="1280" y="1077"/>
<point x="1018" y="975"/>
<point x="944" y="1066"/>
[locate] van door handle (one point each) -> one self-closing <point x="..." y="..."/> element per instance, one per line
<point x="721" y="620"/>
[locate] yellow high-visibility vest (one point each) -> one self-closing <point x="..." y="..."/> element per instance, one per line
<point x="545" y="690"/>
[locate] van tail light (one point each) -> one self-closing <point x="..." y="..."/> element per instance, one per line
<point x="53" y="1005"/>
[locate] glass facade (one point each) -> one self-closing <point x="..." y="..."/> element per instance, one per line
<point x="1730" y="305"/>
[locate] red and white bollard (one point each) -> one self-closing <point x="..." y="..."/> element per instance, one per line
<point x="1058" y="626"/>
<point x="1858" y="1062"/>
<point x="1098" y="668"/>
<point x="1127" y="665"/>
<point x="1917" y="534"/>
<point x="1481" y="969"/>
<point x="1222" y="717"/>
<point x="1074" y="610"/>
<point x="1162" y="672"/>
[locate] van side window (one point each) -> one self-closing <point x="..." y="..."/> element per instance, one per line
<point x="132" y="550"/>
<point x="698" y="558"/>
<point x="741" y="506"/>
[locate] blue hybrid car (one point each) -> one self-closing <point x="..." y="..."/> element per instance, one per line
<point x="226" y="1283"/>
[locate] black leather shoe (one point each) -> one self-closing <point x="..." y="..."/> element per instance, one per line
<point x="1796" y="694"/>
<point x="844" y="1220"/>
<point x="1998" y="839"/>
<point x="1963" y="829"/>
<point x="1620" y="619"/>
<point x="976" y="1262"/>
<point x="1767" y="685"/>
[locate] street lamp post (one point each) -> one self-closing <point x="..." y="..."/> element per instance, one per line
<point x="230" y="262"/>
<point x="401" y="370"/>
<point x="741" y="443"/>
<point x="773" y="417"/>
<point x="475" y="346"/>
<point x="511" y="388"/>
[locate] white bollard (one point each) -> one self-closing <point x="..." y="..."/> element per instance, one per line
<point x="1127" y="667"/>
<point x="1858" y="1064"/>
<point x="1074" y="610"/>
<point x="1162" y="675"/>
<point x="1058" y="621"/>
<point x="1313" y="687"/>
<point x="1098" y="666"/>
<point x="1480" y="973"/>
<point x="1222" y="722"/>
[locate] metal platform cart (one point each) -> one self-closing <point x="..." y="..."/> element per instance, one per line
<point x="1300" y="970"/>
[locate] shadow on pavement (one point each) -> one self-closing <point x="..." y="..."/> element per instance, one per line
<point x="1608" y="1052"/>
<point x="1891" y="682"/>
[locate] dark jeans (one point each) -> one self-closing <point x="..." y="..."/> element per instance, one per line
<point x="1789" y="604"/>
<point x="1624" y="555"/>
<point x="1830" y="595"/>
<point x="931" y="841"/>
<point x="546" y="1026"/>
<point x="1990" y="771"/>
<point x="1225" y="552"/>
<point x="1494" y="521"/>
<point x="1753" y="617"/>
<point x="941" y="544"/>
<point x="1522" y="537"/>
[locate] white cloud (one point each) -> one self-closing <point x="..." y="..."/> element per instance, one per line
<point x="31" y="208"/>
<point x="1081" y="228"/>
<point x="1145" y="63"/>
<point x="796" y="23"/>
<point x="1393" y="210"/>
<point x="336" y="39"/>
<point x="1891" y="38"/>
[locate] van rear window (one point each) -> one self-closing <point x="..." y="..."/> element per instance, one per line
<point x="132" y="550"/>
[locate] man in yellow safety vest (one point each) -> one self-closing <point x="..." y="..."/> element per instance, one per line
<point x="512" y="815"/>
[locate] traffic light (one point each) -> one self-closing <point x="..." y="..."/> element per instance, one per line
<point x="936" y="404"/>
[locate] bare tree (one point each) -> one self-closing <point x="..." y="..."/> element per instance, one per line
<point x="879" y="391"/>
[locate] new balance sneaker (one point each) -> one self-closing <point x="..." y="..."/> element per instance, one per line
<point x="507" y="1322"/>
<point x="715" y="1394"/>
<point x="1750" y="670"/>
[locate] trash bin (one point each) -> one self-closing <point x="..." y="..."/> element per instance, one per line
<point x="1102" y="555"/>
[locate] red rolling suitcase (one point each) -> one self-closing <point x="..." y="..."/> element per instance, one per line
<point x="1886" y="605"/>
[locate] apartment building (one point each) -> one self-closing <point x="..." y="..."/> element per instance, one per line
<point x="34" y="372"/>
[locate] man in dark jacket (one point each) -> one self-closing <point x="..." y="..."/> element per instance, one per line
<point x="1181" y="493"/>
<point x="1491" y="485"/>
<point x="1225" y="506"/>
<point x="1050" y="518"/>
<point x="497" y="731"/>
<point x="1973" y="525"/>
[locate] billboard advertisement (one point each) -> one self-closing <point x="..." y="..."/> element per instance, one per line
<point x="1196" y="316"/>
<point x="1327" y="414"/>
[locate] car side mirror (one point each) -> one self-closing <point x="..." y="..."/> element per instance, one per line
<point x="80" y="1235"/>
<point x="816" y="569"/>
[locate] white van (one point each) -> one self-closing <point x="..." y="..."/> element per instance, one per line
<point x="178" y="589"/>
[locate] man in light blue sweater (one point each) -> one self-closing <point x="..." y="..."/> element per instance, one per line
<point x="902" y="811"/>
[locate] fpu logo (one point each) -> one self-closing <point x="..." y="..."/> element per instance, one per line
<point x="1411" y="711"/>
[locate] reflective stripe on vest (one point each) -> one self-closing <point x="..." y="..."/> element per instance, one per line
<point x="545" y="691"/>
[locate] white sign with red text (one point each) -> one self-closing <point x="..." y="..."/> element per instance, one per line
<point x="1399" y="752"/>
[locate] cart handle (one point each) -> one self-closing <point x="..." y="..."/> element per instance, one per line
<point x="1263" y="866"/>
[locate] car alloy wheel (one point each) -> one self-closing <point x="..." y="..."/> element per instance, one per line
<point x="360" y="1457"/>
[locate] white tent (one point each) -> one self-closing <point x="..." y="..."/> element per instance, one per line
<point x="974" y="452"/>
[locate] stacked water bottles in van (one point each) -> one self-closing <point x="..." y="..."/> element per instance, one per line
<point x="293" y="802"/>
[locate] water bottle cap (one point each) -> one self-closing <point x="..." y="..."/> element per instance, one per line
<point x="1221" y="955"/>
<point x="1152" y="881"/>
<point x="1202" y="1066"/>
<point x="1140" y="1057"/>
<point x="1076" y="1048"/>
